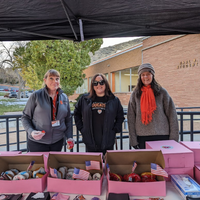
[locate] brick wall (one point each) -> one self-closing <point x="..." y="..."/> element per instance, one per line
<point x="181" y="83"/>
<point x="123" y="97"/>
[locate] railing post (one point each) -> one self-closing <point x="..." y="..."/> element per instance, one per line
<point x="17" y="129"/>
<point x="7" y="134"/>
<point x="181" y="126"/>
<point x="77" y="140"/>
<point x="191" y="128"/>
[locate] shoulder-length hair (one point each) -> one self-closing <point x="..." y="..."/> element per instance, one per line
<point x="92" y="93"/>
<point x="154" y="85"/>
<point x="51" y="72"/>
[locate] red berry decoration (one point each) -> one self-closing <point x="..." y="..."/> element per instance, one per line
<point x="115" y="177"/>
<point x="43" y="131"/>
<point x="133" y="177"/>
<point x="125" y="177"/>
<point x="148" y="177"/>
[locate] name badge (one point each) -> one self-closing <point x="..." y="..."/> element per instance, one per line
<point x="55" y="123"/>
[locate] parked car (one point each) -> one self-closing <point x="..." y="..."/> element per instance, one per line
<point x="12" y="95"/>
<point x="24" y="95"/>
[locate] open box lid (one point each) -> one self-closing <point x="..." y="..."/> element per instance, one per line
<point x="56" y="160"/>
<point x="20" y="162"/>
<point x="121" y="161"/>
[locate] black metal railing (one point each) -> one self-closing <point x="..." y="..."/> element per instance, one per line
<point x="13" y="136"/>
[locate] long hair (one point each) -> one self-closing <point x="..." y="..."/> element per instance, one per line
<point x="51" y="72"/>
<point x="154" y="85"/>
<point x="92" y="93"/>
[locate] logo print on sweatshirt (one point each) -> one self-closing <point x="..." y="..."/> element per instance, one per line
<point x="99" y="106"/>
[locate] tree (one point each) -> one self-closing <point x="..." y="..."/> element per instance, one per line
<point x="68" y="57"/>
<point x="10" y="74"/>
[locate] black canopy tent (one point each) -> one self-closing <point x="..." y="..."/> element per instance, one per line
<point x="88" y="19"/>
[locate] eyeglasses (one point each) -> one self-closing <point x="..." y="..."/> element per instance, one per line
<point x="102" y="82"/>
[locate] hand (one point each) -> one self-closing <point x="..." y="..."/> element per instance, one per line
<point x="37" y="135"/>
<point x="70" y="143"/>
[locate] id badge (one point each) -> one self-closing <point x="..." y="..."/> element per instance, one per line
<point x="55" y="123"/>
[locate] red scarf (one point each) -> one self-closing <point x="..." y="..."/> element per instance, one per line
<point x="147" y="104"/>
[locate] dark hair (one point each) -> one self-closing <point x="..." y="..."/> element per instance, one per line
<point x="92" y="93"/>
<point x="154" y="85"/>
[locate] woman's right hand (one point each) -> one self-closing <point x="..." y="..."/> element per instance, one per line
<point x="37" y="135"/>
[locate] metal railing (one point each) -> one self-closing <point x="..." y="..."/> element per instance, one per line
<point x="14" y="137"/>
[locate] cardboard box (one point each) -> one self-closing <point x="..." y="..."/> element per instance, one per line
<point x="195" y="147"/>
<point x="178" y="158"/>
<point x="45" y="156"/>
<point x="173" y="171"/>
<point x="175" y="154"/>
<point x="186" y="185"/>
<point x="9" y="152"/>
<point x="197" y="173"/>
<point x="121" y="162"/>
<point x="21" y="162"/>
<point x="71" y="160"/>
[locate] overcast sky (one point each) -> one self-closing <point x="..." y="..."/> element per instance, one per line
<point x="112" y="41"/>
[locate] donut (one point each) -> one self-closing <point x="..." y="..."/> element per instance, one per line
<point x="39" y="175"/>
<point x="10" y="174"/>
<point x="63" y="171"/>
<point x="15" y="171"/>
<point x="70" y="170"/>
<point x="25" y="174"/>
<point x="115" y="177"/>
<point x="96" y="176"/>
<point x="38" y="170"/>
<point x="19" y="177"/>
<point x="69" y="176"/>
<point x="4" y="176"/>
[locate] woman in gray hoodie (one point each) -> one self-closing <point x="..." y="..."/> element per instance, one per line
<point x="151" y="111"/>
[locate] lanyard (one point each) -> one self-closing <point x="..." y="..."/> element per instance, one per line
<point x="55" y="106"/>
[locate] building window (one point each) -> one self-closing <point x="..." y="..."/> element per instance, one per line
<point x="83" y="88"/>
<point x="124" y="80"/>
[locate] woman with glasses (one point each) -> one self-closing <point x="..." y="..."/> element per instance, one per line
<point x="99" y="116"/>
<point x="151" y="111"/>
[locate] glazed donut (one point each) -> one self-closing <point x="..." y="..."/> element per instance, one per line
<point x="19" y="177"/>
<point x="69" y="176"/>
<point x="96" y="176"/>
<point x="38" y="170"/>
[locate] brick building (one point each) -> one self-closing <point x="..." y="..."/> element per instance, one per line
<point x="175" y="59"/>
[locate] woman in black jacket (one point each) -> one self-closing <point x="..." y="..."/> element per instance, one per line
<point x="99" y="116"/>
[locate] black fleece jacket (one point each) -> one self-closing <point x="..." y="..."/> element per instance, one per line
<point x="114" y="117"/>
